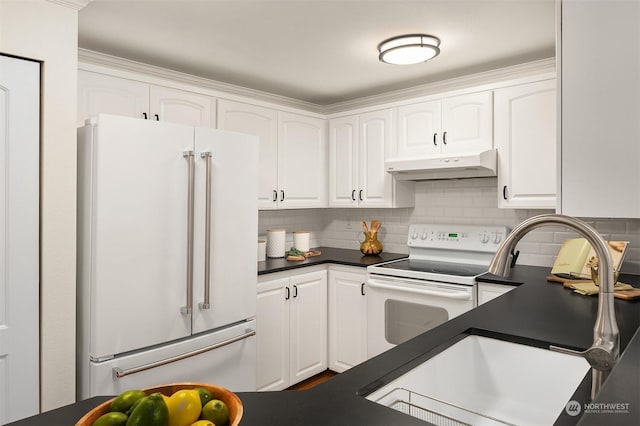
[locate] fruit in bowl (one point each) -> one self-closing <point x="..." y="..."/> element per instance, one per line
<point x="177" y="404"/>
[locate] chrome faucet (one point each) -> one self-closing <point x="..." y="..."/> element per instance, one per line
<point x="604" y="352"/>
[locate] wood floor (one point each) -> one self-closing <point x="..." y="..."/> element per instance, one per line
<point x="313" y="381"/>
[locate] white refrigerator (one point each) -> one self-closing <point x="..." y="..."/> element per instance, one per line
<point x="167" y="226"/>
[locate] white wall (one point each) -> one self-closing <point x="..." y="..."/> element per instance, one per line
<point x="464" y="201"/>
<point x="48" y="32"/>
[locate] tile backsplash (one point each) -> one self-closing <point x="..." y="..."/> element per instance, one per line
<point x="464" y="201"/>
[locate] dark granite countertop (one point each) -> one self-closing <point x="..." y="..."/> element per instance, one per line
<point x="338" y="256"/>
<point x="536" y="312"/>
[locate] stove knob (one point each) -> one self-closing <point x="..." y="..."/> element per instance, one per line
<point x="414" y="235"/>
<point x="497" y="238"/>
<point x="423" y="236"/>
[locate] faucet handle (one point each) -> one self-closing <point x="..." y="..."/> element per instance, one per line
<point x="598" y="357"/>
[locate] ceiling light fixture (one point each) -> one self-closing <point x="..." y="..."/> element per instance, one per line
<point x="409" y="49"/>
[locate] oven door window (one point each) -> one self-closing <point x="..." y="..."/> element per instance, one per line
<point x="406" y="320"/>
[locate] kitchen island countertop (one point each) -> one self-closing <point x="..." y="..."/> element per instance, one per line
<point x="535" y="312"/>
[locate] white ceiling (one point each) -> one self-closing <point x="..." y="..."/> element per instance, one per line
<point x="319" y="51"/>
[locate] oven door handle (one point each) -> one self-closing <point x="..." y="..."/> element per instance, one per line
<point x="460" y="295"/>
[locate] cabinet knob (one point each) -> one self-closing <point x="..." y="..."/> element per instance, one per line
<point x="353" y="195"/>
<point x="157" y="117"/>
<point x="362" y="289"/>
<point x="288" y="293"/>
<point x="295" y="291"/>
<point x="504" y="192"/>
<point x="435" y="142"/>
<point x="275" y="195"/>
<point x="282" y="195"/>
<point x="444" y="138"/>
<point x="144" y="114"/>
<point x="360" y="194"/>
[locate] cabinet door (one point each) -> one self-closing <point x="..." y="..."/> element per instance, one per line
<point x="418" y="130"/>
<point x="302" y="161"/>
<point x="347" y="320"/>
<point x="100" y="93"/>
<point x="343" y="163"/>
<point x="272" y="333"/>
<point x="308" y="325"/>
<point x="525" y="136"/>
<point x="600" y="109"/>
<point x="180" y="106"/>
<point x="467" y="123"/>
<point x="375" y="184"/>
<point x="261" y="122"/>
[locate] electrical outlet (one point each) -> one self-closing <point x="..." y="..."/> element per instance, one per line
<point x="349" y="225"/>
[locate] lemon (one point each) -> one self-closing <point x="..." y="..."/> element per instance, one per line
<point x="216" y="411"/>
<point x="184" y="407"/>
<point x="202" y="423"/>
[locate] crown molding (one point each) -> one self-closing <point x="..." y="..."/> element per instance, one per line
<point x="101" y="59"/>
<point x="73" y="4"/>
<point x="476" y="80"/>
<point x="486" y="80"/>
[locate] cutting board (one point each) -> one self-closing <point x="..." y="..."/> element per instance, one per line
<point x="625" y="295"/>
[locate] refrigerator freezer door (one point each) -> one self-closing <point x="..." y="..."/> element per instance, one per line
<point x="232" y="262"/>
<point x="232" y="366"/>
<point x="133" y="234"/>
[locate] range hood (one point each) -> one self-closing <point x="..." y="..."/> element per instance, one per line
<point x="481" y="164"/>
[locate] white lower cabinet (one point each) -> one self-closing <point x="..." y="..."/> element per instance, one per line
<point x="488" y="291"/>
<point x="291" y="328"/>
<point x="347" y="317"/>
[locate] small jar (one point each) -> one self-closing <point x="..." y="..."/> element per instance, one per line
<point x="371" y="245"/>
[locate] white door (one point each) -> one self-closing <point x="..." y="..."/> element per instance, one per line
<point x="375" y="137"/>
<point x="302" y="161"/>
<point x="99" y="93"/>
<point x="347" y="319"/>
<point x="419" y="130"/>
<point x="343" y="162"/>
<point x="261" y="122"/>
<point x="138" y="235"/>
<point x="526" y="148"/>
<point x="232" y="272"/>
<point x="308" y="325"/>
<point x="467" y="123"/>
<point x="180" y="106"/>
<point x="272" y="333"/>
<point x="19" y="207"/>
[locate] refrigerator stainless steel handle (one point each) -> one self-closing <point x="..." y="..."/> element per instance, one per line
<point x="186" y="310"/>
<point x="207" y="233"/>
<point x="460" y="295"/>
<point x="119" y="373"/>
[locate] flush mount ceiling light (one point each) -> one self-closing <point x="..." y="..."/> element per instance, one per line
<point x="409" y="49"/>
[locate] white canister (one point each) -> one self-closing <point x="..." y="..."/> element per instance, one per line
<point x="262" y="250"/>
<point x="301" y="240"/>
<point x="276" y="242"/>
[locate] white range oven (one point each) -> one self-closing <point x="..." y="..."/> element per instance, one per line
<point x="435" y="283"/>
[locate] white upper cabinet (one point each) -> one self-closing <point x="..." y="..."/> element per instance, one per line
<point x="455" y="125"/>
<point x="101" y="93"/>
<point x="302" y="161"/>
<point x="600" y="84"/>
<point x="261" y="122"/>
<point x="525" y="137"/>
<point x="358" y="147"/>
<point x="179" y="106"/>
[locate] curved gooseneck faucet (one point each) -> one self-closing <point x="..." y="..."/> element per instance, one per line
<point x="604" y="352"/>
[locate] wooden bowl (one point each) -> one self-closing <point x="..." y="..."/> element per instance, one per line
<point x="231" y="399"/>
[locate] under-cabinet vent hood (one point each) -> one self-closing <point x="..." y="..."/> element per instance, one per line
<point x="480" y="164"/>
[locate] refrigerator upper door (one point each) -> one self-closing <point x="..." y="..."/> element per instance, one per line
<point x="138" y="234"/>
<point x="233" y="228"/>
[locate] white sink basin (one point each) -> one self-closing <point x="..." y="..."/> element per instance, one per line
<point x="483" y="381"/>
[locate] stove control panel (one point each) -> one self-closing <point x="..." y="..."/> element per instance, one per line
<point x="457" y="237"/>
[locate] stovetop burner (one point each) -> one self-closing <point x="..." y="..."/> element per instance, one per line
<point x="436" y="267"/>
